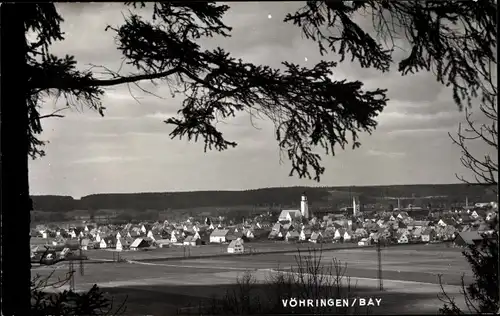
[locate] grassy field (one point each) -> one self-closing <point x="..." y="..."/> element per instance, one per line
<point x="160" y="287"/>
<point x="221" y="249"/>
<point x="208" y="250"/>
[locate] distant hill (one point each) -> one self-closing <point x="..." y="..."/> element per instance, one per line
<point x="287" y="196"/>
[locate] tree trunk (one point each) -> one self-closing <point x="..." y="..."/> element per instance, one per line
<point x="16" y="202"/>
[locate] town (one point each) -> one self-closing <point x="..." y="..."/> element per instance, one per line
<point x="349" y="226"/>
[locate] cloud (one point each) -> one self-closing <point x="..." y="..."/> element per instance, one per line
<point x="377" y="153"/>
<point x="410" y="144"/>
<point x="416" y="132"/>
<point x="159" y="115"/>
<point x="108" y="159"/>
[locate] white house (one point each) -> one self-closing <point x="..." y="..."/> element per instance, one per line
<point x="150" y="234"/>
<point x="292" y="236"/>
<point x="63" y="253"/>
<point x="44" y="235"/>
<point x="445" y="222"/>
<point x="289" y="215"/>
<point x="339" y="232"/>
<point x="304" y="235"/>
<point x="347" y="236"/>
<point x="119" y="245"/>
<point x="143" y="229"/>
<point x="85" y="244"/>
<point x="102" y="244"/>
<point x="191" y="241"/>
<point x="403" y="239"/>
<point x="173" y="236"/>
<point x="118" y="235"/>
<point x="98" y="237"/>
<point x="364" y="242"/>
<point x="219" y="235"/>
<point x="236" y="246"/>
<point x="139" y="243"/>
<point x="249" y="234"/>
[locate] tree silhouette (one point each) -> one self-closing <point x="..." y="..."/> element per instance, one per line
<point x="485" y="168"/>
<point x="308" y="108"/>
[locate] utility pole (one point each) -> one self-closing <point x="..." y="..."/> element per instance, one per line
<point x="379" y="259"/>
<point x="81" y="259"/>
<point x="72" y="276"/>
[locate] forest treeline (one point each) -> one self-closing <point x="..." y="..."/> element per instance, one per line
<point x="449" y="193"/>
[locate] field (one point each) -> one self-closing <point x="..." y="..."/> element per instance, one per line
<point x="207" y="250"/>
<point x="410" y="277"/>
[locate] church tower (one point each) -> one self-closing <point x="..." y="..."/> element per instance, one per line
<point x="304" y="207"/>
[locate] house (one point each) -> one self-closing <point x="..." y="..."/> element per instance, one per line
<point x="421" y="224"/>
<point x="402" y="215"/>
<point x="428" y="235"/>
<point x="361" y="232"/>
<point x="232" y="235"/>
<point x="386" y="234"/>
<point x="292" y="236"/>
<point x="347" y="235"/>
<point x="402" y="238"/>
<point x="470" y="238"/>
<point x="281" y="234"/>
<point x="139" y="243"/>
<point x="162" y="243"/>
<point x="374" y="236"/>
<point x="236" y="246"/>
<point x="119" y="245"/>
<point x="478" y="214"/>
<point x="364" y="242"/>
<point x="102" y="244"/>
<point x="192" y="241"/>
<point x="126" y="242"/>
<point x="110" y="242"/>
<point x="249" y="234"/>
<point x="417" y="233"/>
<point x="446" y="222"/>
<point x="219" y="235"/>
<point x="175" y="236"/>
<point x="339" y="234"/>
<point x="490" y="216"/>
<point x="316" y="237"/>
<point x="276" y="228"/>
<point x="305" y="234"/>
<point x="289" y="215"/>
<point x="85" y="243"/>
<point x="63" y="253"/>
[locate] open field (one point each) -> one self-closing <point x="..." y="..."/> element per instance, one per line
<point x="218" y="249"/>
<point x="159" y="287"/>
<point x="208" y="250"/>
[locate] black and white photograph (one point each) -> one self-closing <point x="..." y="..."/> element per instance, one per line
<point x="236" y="158"/>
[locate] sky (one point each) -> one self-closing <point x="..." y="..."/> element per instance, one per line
<point x="129" y="149"/>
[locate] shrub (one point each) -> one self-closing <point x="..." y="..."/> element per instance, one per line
<point x="46" y="302"/>
<point x="312" y="278"/>
<point x="481" y="296"/>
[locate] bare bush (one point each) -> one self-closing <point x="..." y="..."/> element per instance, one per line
<point x="482" y="295"/>
<point x="46" y="301"/>
<point x="311" y="278"/>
